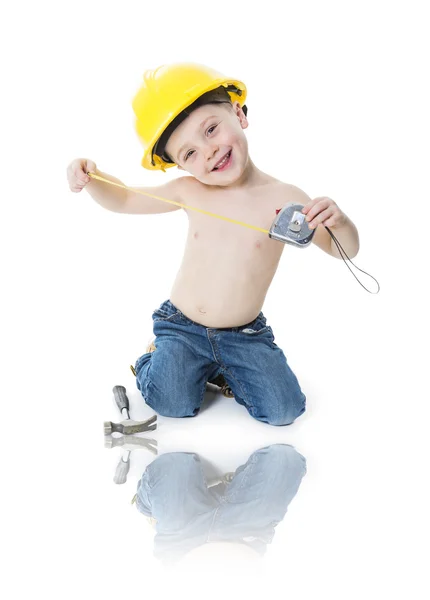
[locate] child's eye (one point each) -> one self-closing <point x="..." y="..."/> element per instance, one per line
<point x="188" y="154"/>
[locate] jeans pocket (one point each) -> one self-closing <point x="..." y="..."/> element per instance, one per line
<point x="256" y="328"/>
<point x="163" y="315"/>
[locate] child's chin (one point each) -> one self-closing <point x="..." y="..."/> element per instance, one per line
<point x="226" y="177"/>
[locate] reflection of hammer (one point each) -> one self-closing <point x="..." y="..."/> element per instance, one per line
<point x="129" y="443"/>
<point x="132" y="442"/>
<point x="128" y="426"/>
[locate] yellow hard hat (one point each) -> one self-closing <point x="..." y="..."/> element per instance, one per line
<point x="165" y="93"/>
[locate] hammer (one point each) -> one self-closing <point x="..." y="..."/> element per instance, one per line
<point x="128" y="426"/>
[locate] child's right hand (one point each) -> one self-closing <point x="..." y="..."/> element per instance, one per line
<point x="77" y="173"/>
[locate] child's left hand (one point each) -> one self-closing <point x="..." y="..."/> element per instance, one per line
<point x="325" y="211"/>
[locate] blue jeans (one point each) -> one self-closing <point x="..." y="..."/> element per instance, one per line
<point x="174" y="491"/>
<point x="173" y="378"/>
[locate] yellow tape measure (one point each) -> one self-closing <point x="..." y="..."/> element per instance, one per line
<point x="94" y="176"/>
<point x="339" y="247"/>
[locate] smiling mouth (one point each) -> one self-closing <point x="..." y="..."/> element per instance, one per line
<point x="222" y="163"/>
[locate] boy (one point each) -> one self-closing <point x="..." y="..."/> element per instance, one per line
<point x="212" y="328"/>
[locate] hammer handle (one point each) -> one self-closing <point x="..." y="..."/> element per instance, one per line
<point x="121" y="397"/>
<point x="122" y="469"/>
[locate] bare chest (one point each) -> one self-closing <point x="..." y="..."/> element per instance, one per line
<point x="237" y="236"/>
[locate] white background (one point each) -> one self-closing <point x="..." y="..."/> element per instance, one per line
<point x="338" y="106"/>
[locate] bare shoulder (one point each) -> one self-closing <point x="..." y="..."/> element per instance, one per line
<point x="188" y="184"/>
<point x="296" y="194"/>
<point x="191" y="191"/>
<point x="284" y="192"/>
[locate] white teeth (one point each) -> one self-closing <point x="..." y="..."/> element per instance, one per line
<point x="224" y="160"/>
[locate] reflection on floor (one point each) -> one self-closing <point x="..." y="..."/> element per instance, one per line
<point x="238" y="512"/>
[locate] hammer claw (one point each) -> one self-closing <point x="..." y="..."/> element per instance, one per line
<point x="130" y="427"/>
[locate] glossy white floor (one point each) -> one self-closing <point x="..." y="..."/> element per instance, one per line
<point x="357" y="523"/>
<point x="82" y="283"/>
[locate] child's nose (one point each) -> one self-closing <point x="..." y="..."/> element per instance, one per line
<point x="211" y="152"/>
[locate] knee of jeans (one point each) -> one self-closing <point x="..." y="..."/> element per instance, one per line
<point x="170" y="404"/>
<point x="287" y="413"/>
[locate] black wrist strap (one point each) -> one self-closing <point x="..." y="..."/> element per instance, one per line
<point x="339" y="247"/>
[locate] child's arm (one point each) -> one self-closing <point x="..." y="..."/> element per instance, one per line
<point x="119" y="199"/>
<point x="136" y="203"/>
<point x="324" y="211"/>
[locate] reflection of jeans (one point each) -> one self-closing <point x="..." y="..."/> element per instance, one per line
<point x="173" y="378"/>
<point x="173" y="491"/>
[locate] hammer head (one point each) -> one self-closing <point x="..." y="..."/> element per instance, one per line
<point x="129" y="427"/>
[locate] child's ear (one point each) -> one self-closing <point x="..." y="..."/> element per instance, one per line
<point x="241" y="115"/>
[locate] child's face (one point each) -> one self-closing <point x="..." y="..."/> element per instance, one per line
<point x="205" y="137"/>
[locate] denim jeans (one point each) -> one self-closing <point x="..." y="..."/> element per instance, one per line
<point x="174" y="491"/>
<point x="173" y="378"/>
